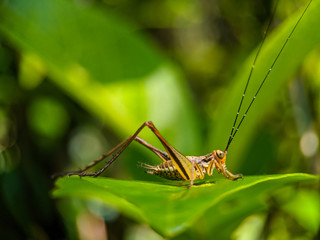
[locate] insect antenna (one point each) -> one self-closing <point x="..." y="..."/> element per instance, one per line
<point x="249" y="77"/>
<point x="233" y="130"/>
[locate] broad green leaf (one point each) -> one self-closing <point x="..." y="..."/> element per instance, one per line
<point x="104" y="64"/>
<point x="69" y="36"/>
<point x="171" y="210"/>
<point x="303" y="41"/>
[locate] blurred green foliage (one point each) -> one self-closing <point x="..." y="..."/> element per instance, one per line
<point x="77" y="77"/>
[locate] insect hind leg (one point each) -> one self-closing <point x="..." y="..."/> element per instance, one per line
<point x="117" y="150"/>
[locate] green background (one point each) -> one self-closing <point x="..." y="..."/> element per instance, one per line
<point x="77" y="77"/>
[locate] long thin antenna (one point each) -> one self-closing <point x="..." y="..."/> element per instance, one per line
<point x="249" y="77"/>
<point x="232" y="135"/>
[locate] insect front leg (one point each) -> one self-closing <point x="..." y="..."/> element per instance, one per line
<point x="233" y="176"/>
<point x="226" y="173"/>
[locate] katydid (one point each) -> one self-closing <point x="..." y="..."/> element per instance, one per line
<point x="175" y="165"/>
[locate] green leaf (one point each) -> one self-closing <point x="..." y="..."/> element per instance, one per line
<point x="171" y="210"/>
<point x="66" y="35"/>
<point x="100" y="60"/>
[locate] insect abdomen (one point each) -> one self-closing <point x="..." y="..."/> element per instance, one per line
<point x="165" y="170"/>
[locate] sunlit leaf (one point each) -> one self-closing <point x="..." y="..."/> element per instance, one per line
<point x="170" y="210"/>
<point x="105" y="65"/>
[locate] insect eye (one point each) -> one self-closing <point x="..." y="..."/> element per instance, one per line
<point x="220" y="154"/>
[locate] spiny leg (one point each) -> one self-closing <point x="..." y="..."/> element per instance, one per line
<point x="123" y="145"/>
<point x="92" y="163"/>
<point x="161" y="154"/>
<point x="181" y="162"/>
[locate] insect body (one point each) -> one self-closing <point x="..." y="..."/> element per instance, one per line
<point x="175" y="165"/>
<point x="202" y="165"/>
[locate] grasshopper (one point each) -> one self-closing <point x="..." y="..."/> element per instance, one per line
<point x="175" y="165"/>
